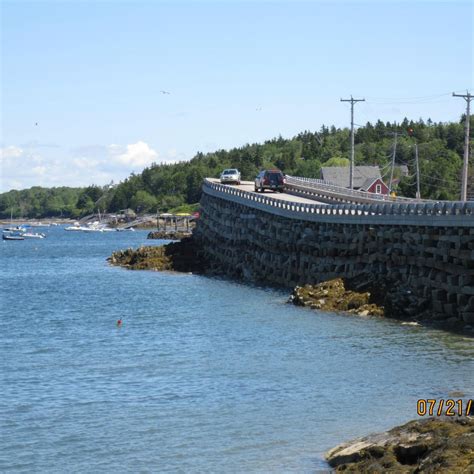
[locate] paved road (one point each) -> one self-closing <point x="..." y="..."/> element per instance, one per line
<point x="249" y="186"/>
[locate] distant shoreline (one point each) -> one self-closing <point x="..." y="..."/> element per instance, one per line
<point x="43" y="220"/>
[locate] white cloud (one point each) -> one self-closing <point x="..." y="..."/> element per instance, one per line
<point x="10" y="152"/>
<point x="81" y="166"/>
<point x="19" y="166"/>
<point x="136" y="155"/>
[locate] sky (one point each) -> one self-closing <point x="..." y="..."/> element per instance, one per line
<point x="93" y="91"/>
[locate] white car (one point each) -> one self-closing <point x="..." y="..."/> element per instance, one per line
<point x="230" y="176"/>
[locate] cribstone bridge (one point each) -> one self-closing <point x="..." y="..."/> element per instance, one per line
<point x="423" y="249"/>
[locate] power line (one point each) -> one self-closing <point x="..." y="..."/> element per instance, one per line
<point x="411" y="98"/>
<point x="450" y="181"/>
<point x="407" y="102"/>
<point x="427" y="176"/>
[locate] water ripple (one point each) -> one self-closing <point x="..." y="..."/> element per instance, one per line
<point x="205" y="374"/>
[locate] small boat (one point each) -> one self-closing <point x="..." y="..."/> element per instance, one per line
<point x="75" y="227"/>
<point x="95" y="226"/>
<point x="33" y="235"/>
<point x="12" y="236"/>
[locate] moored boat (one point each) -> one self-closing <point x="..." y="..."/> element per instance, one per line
<point x="95" y="226"/>
<point x="33" y="235"/>
<point x="12" y="236"/>
<point x="76" y="227"/>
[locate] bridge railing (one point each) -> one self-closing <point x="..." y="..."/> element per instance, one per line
<point x="450" y="213"/>
<point x="319" y="189"/>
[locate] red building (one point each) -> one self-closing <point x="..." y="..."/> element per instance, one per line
<point x="366" y="178"/>
<point x="376" y="186"/>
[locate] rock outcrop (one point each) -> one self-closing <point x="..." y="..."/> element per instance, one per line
<point x="332" y="296"/>
<point x="422" y="446"/>
<point x="176" y="256"/>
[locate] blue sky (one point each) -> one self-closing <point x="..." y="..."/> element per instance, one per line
<point x="90" y="74"/>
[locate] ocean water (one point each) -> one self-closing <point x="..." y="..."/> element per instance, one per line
<point x="205" y="374"/>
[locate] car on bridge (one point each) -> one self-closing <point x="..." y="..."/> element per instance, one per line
<point x="270" y="179"/>
<point x="230" y="176"/>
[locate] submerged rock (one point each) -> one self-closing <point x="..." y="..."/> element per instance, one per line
<point x="332" y="295"/>
<point x="178" y="256"/>
<point x="425" y="445"/>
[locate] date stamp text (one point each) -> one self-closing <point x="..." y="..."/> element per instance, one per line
<point x="446" y="407"/>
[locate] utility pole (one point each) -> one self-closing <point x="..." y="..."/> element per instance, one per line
<point x="395" y="135"/>
<point x="417" y="163"/>
<point x="468" y="97"/>
<point x="351" y="172"/>
<point x="418" y="195"/>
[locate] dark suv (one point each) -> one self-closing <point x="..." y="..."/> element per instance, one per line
<point x="270" y="179"/>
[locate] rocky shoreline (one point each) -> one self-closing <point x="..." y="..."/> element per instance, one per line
<point x="362" y="297"/>
<point x="176" y="256"/>
<point x="380" y="298"/>
<point x="168" y="235"/>
<point x="182" y="256"/>
<point x="421" y="446"/>
<point x="332" y="296"/>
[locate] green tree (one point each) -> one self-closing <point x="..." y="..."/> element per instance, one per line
<point x="308" y="169"/>
<point x="194" y="183"/>
<point x="337" y="161"/>
<point x="142" y="201"/>
<point x="165" y="203"/>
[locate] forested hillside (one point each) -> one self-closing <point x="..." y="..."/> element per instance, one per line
<point x="163" y="187"/>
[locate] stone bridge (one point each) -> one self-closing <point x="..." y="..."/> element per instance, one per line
<point x="424" y="250"/>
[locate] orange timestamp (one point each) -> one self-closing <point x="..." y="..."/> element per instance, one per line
<point x="440" y="407"/>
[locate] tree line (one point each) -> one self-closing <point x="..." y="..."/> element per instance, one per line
<point x="171" y="187"/>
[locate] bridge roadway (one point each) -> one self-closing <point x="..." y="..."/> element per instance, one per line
<point x="249" y="187"/>
<point x="432" y="214"/>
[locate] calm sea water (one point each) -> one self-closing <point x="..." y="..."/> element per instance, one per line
<point x="205" y="375"/>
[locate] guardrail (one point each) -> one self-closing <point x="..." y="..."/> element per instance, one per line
<point x="444" y="213"/>
<point x="322" y="190"/>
